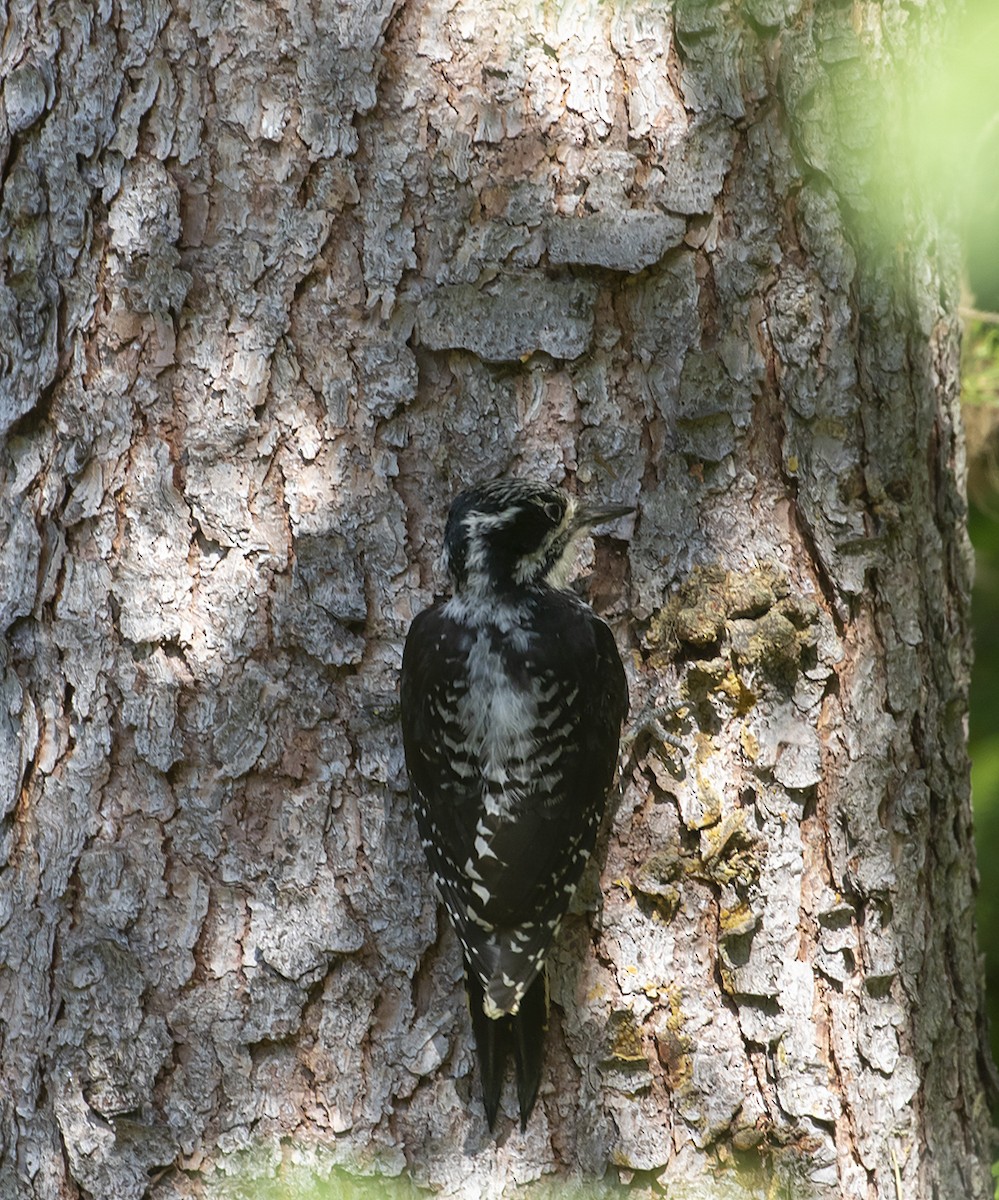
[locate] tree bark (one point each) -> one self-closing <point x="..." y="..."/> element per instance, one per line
<point x="277" y="280"/>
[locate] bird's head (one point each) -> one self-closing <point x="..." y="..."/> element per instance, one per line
<point x="515" y="533"/>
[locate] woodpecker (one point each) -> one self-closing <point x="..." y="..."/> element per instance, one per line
<point x="513" y="694"/>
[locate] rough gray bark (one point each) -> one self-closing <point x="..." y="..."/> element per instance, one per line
<point x="277" y="279"/>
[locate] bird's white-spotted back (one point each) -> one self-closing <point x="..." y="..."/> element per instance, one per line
<point x="500" y="719"/>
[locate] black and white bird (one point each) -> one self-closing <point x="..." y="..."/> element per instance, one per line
<point x="513" y="695"/>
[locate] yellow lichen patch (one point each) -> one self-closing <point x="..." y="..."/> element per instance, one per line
<point x="736" y="630"/>
<point x="774" y="639"/>
<point x="710" y="802"/>
<point x="658" y="870"/>
<point x="752" y="594"/>
<point x="655" y="879"/>
<point x="735" y="692"/>
<point x="750" y="743"/>
<point x="625" y="885"/>
<point x="657" y="992"/>
<point x="660" y="631"/>
<point x="737" y="921"/>
<point x="624" y="1037"/>
<point x="700" y="627"/>
<point x="672" y="1044"/>
<point x="704" y="748"/>
<point x="730" y="852"/>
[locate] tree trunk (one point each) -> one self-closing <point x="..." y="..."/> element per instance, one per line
<point x="277" y="280"/>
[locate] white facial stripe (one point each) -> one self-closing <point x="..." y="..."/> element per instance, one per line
<point x="476" y="526"/>
<point x="558" y="573"/>
<point x="552" y="562"/>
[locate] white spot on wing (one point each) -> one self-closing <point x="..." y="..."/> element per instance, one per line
<point x="483" y="849"/>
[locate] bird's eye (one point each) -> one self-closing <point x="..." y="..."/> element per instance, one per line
<point x="553" y="511"/>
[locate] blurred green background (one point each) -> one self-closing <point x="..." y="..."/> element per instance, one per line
<point x="980" y="404"/>
<point x="980" y="401"/>
<point x="956" y="155"/>
<point x="962" y="105"/>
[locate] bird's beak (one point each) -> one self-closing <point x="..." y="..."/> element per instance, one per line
<point x="590" y="515"/>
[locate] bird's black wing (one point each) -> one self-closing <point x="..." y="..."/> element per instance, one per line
<point x="507" y="840"/>
<point x="507" y="857"/>
<point x="444" y="781"/>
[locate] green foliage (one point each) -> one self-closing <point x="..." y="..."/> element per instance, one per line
<point x="980" y="364"/>
<point x="947" y="103"/>
<point x="984" y="746"/>
<point x="980" y="389"/>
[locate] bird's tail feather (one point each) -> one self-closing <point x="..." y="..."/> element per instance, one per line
<point x="522" y="1035"/>
<point x="529" y="1027"/>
